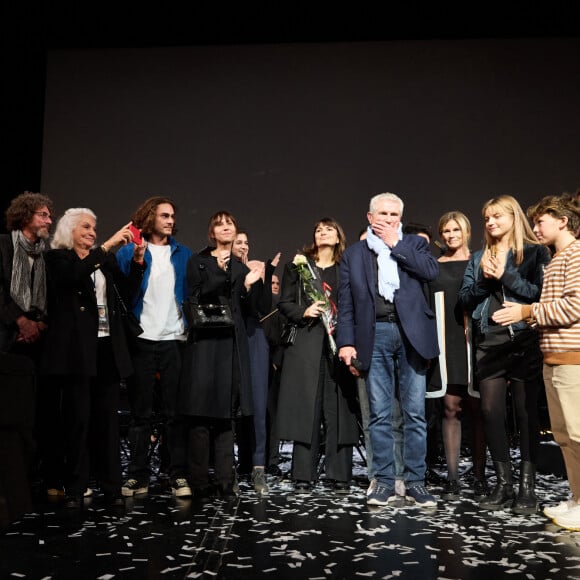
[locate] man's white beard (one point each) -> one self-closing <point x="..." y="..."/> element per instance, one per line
<point x="43" y="233"/>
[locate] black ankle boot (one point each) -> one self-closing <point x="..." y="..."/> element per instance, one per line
<point x="526" y="503"/>
<point x="503" y="494"/>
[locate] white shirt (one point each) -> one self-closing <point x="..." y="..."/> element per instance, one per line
<point x="161" y="316"/>
<point x="100" y="284"/>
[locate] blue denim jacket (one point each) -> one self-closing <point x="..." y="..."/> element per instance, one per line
<point x="520" y="283"/>
<point x="179" y="256"/>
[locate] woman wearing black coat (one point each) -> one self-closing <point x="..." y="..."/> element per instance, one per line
<point x="215" y="381"/>
<point x="316" y="392"/>
<point x="86" y="351"/>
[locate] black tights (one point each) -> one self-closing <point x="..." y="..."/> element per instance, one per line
<point x="493" y="407"/>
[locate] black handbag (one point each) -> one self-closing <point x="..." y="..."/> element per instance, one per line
<point x="207" y="316"/>
<point x="130" y="321"/>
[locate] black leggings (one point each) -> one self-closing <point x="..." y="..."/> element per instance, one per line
<point x="493" y="406"/>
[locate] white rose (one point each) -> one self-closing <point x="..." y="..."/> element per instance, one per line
<point x="299" y="259"/>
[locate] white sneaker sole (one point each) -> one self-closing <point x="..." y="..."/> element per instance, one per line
<point x="554" y="511"/>
<point x="131" y="492"/>
<point x="428" y="504"/>
<point x="570" y="526"/>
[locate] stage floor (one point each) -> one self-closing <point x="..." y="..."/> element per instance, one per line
<point x="321" y="535"/>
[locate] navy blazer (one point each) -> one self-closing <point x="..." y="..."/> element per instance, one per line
<point x="356" y="297"/>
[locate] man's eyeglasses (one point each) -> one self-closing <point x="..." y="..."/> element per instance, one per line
<point x="43" y="214"/>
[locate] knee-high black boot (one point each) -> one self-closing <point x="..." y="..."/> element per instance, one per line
<point x="526" y="503"/>
<point x="503" y="494"/>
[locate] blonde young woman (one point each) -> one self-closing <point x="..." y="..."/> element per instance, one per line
<point x="510" y="267"/>
<point x="452" y="376"/>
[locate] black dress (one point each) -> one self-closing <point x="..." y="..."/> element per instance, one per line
<point x="449" y="282"/>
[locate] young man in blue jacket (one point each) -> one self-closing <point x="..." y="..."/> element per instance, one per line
<point x="157" y="352"/>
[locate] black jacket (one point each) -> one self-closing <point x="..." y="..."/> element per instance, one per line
<point x="301" y="371"/>
<point x="71" y="342"/>
<point x="215" y="378"/>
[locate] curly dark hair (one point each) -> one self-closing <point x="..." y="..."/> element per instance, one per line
<point x="144" y="216"/>
<point x="21" y="210"/>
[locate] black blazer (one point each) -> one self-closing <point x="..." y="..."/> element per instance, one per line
<point x="71" y="342"/>
<point x="357" y="291"/>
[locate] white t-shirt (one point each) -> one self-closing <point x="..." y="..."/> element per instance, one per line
<point x="100" y="284"/>
<point x="161" y="316"/>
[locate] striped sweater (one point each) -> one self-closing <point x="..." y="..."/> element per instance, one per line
<point x="558" y="312"/>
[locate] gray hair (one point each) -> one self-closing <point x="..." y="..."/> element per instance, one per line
<point x="63" y="239"/>
<point x="385" y="197"/>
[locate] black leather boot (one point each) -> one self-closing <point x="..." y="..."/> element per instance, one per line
<point x="503" y="494"/>
<point x="526" y="503"/>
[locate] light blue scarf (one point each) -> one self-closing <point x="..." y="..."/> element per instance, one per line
<point x="388" y="271"/>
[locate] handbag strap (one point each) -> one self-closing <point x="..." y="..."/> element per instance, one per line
<point x="120" y="299"/>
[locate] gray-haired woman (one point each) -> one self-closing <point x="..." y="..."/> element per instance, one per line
<point x="86" y="351"/>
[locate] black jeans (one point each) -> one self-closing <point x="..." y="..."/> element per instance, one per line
<point x="156" y="361"/>
<point x="206" y="431"/>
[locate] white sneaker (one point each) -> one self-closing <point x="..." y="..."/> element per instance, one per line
<point x="180" y="488"/>
<point x="569" y="520"/>
<point x="553" y="511"/>
<point x="372" y="486"/>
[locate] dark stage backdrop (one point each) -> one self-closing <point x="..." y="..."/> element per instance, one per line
<point x="284" y="134"/>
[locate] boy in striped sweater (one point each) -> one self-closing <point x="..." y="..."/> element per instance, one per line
<point x="557" y="315"/>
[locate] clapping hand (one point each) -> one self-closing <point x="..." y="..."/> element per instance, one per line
<point x="256" y="272"/>
<point x="493" y="264"/>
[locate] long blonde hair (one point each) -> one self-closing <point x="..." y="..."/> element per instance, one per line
<point x="521" y="232"/>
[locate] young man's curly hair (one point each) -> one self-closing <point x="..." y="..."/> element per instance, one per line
<point x="21" y="210"/>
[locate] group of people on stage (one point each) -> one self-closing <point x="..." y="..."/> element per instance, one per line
<point x="352" y="335"/>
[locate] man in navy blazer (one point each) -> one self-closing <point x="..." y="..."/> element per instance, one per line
<point x="387" y="332"/>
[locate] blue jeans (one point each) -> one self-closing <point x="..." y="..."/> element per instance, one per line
<point x="259" y="363"/>
<point x="395" y="359"/>
<point x="398" y="439"/>
<point x="363" y="401"/>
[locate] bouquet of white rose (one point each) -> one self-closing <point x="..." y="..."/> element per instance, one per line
<point x="314" y="291"/>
